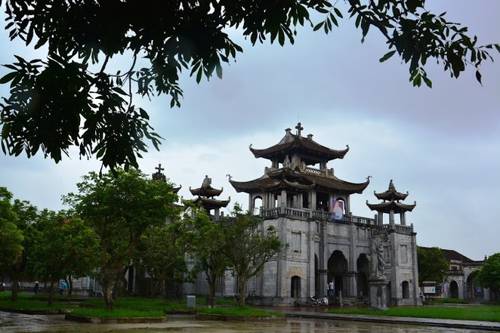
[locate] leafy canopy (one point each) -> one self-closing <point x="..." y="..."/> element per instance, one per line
<point x="489" y="275"/>
<point x="432" y="264"/>
<point x="63" y="246"/>
<point x="72" y="98"/>
<point x="120" y="207"/>
<point x="11" y="236"/>
<point x="248" y="246"/>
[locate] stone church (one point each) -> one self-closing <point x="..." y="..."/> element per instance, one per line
<point x="364" y="259"/>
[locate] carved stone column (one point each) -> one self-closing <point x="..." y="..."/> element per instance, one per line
<point x="391" y="218"/>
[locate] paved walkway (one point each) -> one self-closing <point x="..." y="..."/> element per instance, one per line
<point x="451" y="323"/>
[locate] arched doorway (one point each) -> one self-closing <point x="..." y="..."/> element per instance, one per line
<point x="337" y="268"/>
<point x="453" y="289"/>
<point x="405" y="286"/>
<point x="295" y="287"/>
<point x="362" y="268"/>
<point x="257" y="205"/>
<point x="474" y="289"/>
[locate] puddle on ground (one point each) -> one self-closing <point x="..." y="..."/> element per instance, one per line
<point x="17" y="323"/>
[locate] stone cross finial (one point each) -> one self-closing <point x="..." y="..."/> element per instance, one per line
<point x="159" y="168"/>
<point x="299" y="128"/>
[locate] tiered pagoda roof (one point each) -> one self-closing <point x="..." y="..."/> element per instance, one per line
<point x="286" y="178"/>
<point x="310" y="151"/>
<point x="160" y="176"/>
<point x="391" y="194"/>
<point x="296" y="175"/>
<point x="391" y="201"/>
<point x="206" y="194"/>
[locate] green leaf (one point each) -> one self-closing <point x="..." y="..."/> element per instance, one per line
<point x="7" y="77"/>
<point x="478" y="77"/>
<point x="427" y="81"/>
<point x="318" y="26"/>
<point x="338" y="12"/>
<point x="387" y="56"/>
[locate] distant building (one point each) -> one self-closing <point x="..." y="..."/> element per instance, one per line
<point x="461" y="279"/>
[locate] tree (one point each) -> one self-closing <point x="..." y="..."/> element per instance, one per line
<point x="73" y="98"/>
<point x="432" y="264"/>
<point x="207" y="247"/>
<point x="120" y="206"/>
<point x="489" y="275"/>
<point x="248" y="247"/>
<point x="162" y="254"/>
<point x="11" y="237"/>
<point x="63" y="246"/>
<point x="27" y="215"/>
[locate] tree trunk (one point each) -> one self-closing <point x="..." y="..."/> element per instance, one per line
<point x="211" y="292"/>
<point x="15" y="289"/>
<point x="241" y="291"/>
<point x="51" y="292"/>
<point x="70" y="285"/>
<point x="108" y="295"/>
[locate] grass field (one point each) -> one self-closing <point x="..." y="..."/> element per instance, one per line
<point x="30" y="302"/>
<point x="128" y="307"/>
<point x="466" y="312"/>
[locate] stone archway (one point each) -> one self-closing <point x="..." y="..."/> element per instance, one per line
<point x="453" y="289"/>
<point x="337" y="268"/>
<point x="362" y="269"/>
<point x="474" y="289"/>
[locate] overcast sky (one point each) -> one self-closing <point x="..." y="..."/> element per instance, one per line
<point x="440" y="144"/>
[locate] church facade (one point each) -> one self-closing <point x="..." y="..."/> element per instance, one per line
<point x="363" y="259"/>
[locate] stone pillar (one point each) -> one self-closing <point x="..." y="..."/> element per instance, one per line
<point x="283" y="200"/>
<point x="352" y="289"/>
<point x="402" y="218"/>
<point x="310" y="260"/>
<point x="251" y="206"/>
<point x="216" y="213"/>
<point x="391" y="218"/>
<point x="380" y="218"/>
<point x="313" y="201"/>
<point x="348" y="205"/>
<point x="300" y="200"/>
<point x="414" y="261"/>
<point x="322" y="262"/>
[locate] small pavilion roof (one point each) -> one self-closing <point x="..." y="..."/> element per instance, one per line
<point x="206" y="189"/>
<point x="310" y="151"/>
<point x="209" y="203"/>
<point x="286" y="178"/>
<point x="388" y="206"/>
<point x="391" y="193"/>
<point x="176" y="189"/>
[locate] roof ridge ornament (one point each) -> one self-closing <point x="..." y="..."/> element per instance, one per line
<point x="299" y="128"/>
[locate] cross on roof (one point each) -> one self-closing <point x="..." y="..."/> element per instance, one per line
<point x="159" y="168"/>
<point x="299" y="128"/>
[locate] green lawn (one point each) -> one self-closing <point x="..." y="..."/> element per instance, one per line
<point x="472" y="312"/>
<point x="28" y="302"/>
<point x="131" y="307"/>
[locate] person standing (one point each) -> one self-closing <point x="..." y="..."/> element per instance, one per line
<point x="331" y="289"/>
<point x="36" y="288"/>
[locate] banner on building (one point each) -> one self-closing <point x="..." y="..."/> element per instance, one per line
<point x="337" y="208"/>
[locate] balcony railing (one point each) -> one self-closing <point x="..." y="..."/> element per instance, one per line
<point x="320" y="215"/>
<point x="308" y="214"/>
